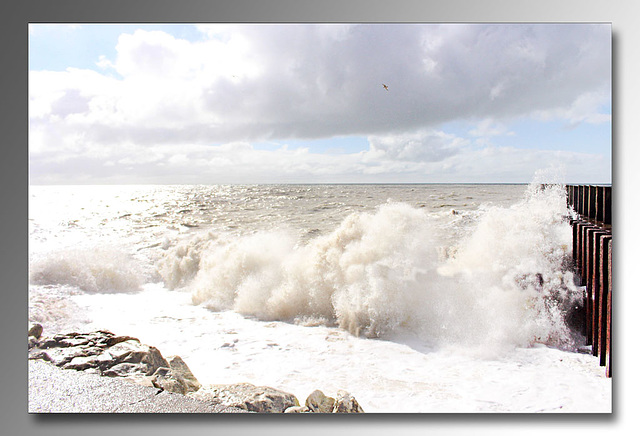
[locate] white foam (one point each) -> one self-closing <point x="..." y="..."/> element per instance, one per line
<point x="380" y="273"/>
<point x="384" y="376"/>
<point x="95" y="270"/>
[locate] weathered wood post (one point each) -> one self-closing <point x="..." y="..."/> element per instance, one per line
<point x="600" y="204"/>
<point x="606" y="198"/>
<point x="584" y="267"/>
<point x="592" y="254"/>
<point x="591" y="211"/>
<point x="594" y="282"/>
<point x="605" y="310"/>
<point x="609" y="312"/>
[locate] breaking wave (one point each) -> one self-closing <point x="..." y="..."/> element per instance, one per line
<point x="99" y="270"/>
<point x="504" y="283"/>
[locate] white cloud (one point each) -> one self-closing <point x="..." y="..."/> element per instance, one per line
<point x="422" y="146"/>
<point x="488" y="128"/>
<point x="586" y="108"/>
<point x="173" y="100"/>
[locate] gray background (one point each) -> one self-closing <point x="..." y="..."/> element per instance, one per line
<point x="15" y="15"/>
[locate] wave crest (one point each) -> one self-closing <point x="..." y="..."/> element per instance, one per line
<point x="505" y="283"/>
<point x="102" y="270"/>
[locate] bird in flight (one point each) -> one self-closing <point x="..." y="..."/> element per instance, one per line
<point x="385" y="87"/>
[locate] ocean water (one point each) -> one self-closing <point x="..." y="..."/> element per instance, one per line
<point x="414" y="298"/>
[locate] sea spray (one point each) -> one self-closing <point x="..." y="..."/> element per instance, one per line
<point x="518" y="258"/>
<point x="104" y="270"/>
<point x="379" y="273"/>
<point x="363" y="276"/>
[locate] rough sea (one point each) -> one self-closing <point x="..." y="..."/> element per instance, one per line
<point x="413" y="298"/>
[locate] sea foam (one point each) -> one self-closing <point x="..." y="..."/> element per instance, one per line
<point x="102" y="270"/>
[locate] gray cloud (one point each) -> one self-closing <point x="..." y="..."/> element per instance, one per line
<point x="248" y="83"/>
<point x="435" y="73"/>
<point x="318" y="81"/>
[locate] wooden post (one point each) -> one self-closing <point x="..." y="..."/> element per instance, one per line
<point x="606" y="199"/>
<point x="575" y="229"/>
<point x="604" y="310"/>
<point x="584" y="277"/>
<point x="584" y="250"/>
<point x="594" y="284"/>
<point x="592" y="253"/>
<point x="600" y="204"/>
<point x="591" y="291"/>
<point x="609" y="313"/>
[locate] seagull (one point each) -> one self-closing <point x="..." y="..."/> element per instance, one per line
<point x="385" y="87"/>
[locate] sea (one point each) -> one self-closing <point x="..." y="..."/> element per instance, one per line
<point x="414" y="298"/>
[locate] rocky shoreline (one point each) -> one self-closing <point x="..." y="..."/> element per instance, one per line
<point x="111" y="356"/>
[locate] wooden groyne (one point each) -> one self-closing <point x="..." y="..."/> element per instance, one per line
<point x="592" y="244"/>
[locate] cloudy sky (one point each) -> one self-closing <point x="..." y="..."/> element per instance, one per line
<point x="268" y="103"/>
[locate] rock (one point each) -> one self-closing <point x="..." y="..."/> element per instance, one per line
<point x="180" y="368"/>
<point x="345" y="403"/>
<point x="76" y="341"/>
<point x="36" y="331"/>
<point x="81" y="363"/>
<point x="318" y="402"/>
<point x="131" y="351"/>
<point x="60" y="337"/>
<point x="99" y="351"/>
<point x="33" y="342"/>
<point x="297" y="409"/>
<point x="96" y="362"/>
<point x="154" y="360"/>
<point x="38" y="354"/>
<point x="113" y="340"/>
<point x="48" y="343"/>
<point x="260" y="399"/>
<point x="59" y="356"/>
<point x="167" y="380"/>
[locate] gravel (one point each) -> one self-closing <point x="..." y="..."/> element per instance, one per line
<point x="55" y="390"/>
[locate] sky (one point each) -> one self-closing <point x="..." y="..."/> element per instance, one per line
<point x="319" y="103"/>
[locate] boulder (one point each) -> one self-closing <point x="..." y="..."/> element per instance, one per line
<point x="95" y="361"/>
<point x="58" y="356"/>
<point x="38" y="354"/>
<point x="113" y="340"/>
<point x="32" y="342"/>
<point x="154" y="360"/>
<point x="260" y="399"/>
<point x="147" y="359"/>
<point x="345" y="403"/>
<point x="36" y="331"/>
<point x="100" y="351"/>
<point x="47" y="343"/>
<point x="318" y="402"/>
<point x="167" y="380"/>
<point x="131" y="351"/>
<point x="180" y="368"/>
<point x="76" y="341"/>
<point x="104" y="353"/>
